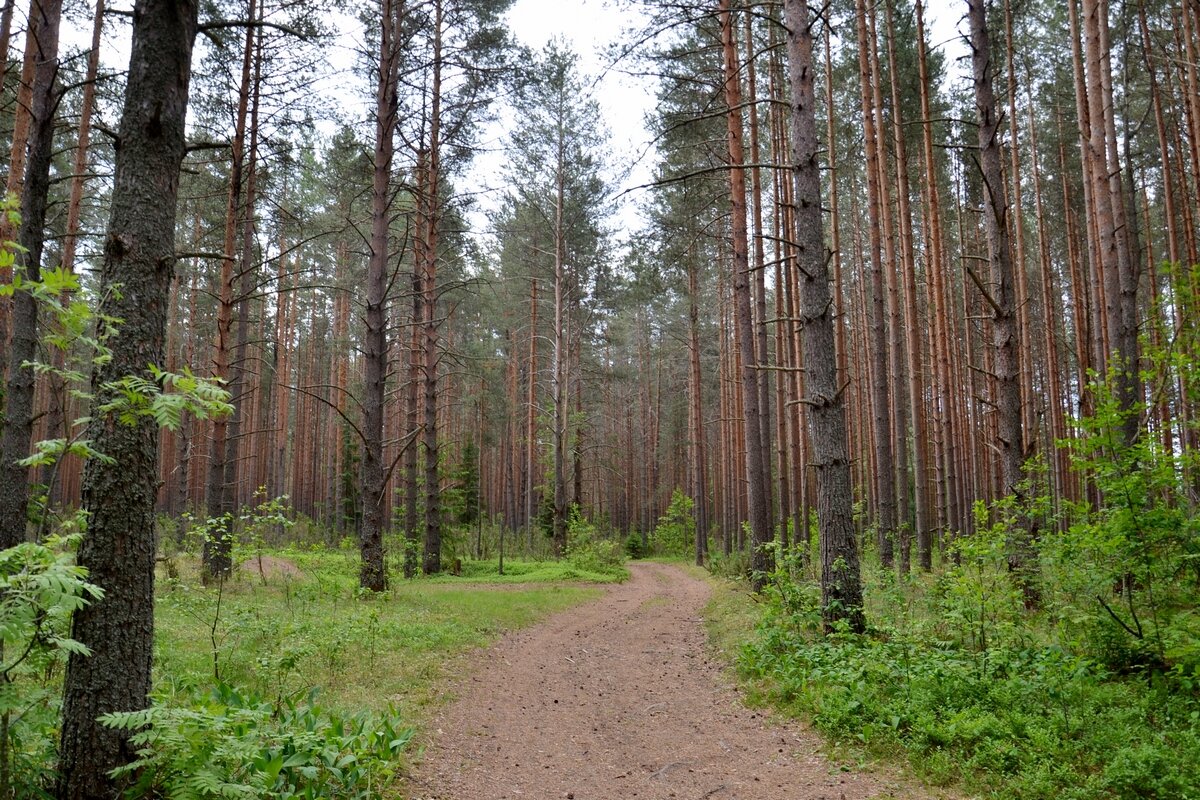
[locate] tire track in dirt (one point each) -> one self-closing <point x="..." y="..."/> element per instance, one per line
<point x="619" y="699"/>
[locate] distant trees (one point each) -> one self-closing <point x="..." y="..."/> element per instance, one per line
<point x="550" y="230"/>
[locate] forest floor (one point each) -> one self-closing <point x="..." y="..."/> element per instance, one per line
<point x="621" y="698"/>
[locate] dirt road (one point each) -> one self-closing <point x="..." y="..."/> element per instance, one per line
<point x="618" y="699"/>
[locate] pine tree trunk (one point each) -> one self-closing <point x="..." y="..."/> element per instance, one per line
<point x="60" y="402"/>
<point x="841" y="588"/>
<point x="118" y="551"/>
<point x="560" y="358"/>
<point x="18" y="428"/>
<point x="757" y="496"/>
<point x="933" y="276"/>
<point x="696" y="412"/>
<point x="372" y="571"/>
<point x="885" y="485"/>
<point x="217" y="549"/>
<point x="239" y="396"/>
<point x="1000" y="296"/>
<point x="433" y="510"/>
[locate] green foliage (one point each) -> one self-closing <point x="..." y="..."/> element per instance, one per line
<point x="1036" y="722"/>
<point x="256" y="523"/>
<point x="527" y="571"/>
<point x="733" y="566"/>
<point x="165" y="397"/>
<point x="462" y="499"/>
<point x="252" y="528"/>
<point x="235" y="744"/>
<point x="1094" y="694"/>
<point x="311" y="627"/>
<point x="589" y="551"/>
<point x="634" y="549"/>
<point x="674" y="534"/>
<point x="40" y="587"/>
<point x="976" y="598"/>
<point x="1124" y="577"/>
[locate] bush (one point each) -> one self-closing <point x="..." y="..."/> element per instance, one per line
<point x="633" y="546"/>
<point x="1018" y="723"/>
<point x="587" y="550"/>
<point x="674" y="534"/>
<point x="41" y="586"/>
<point x="234" y="744"/>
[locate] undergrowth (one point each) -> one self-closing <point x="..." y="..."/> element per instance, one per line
<point x="1018" y="722"/>
<point x="1075" y="679"/>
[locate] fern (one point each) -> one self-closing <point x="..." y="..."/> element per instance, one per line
<point x="234" y="744"/>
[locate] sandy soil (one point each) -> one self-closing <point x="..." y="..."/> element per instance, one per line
<point x="619" y="699"/>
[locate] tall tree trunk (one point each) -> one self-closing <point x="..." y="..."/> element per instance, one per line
<point x="372" y="571"/>
<point x="914" y="366"/>
<point x="16" y="163"/>
<point x="531" y="413"/>
<point x="561" y="356"/>
<point x="1000" y="297"/>
<point x="18" y="408"/>
<point x="59" y="400"/>
<point x="696" y="413"/>
<point x="885" y="477"/>
<point x="761" y="351"/>
<point x="1120" y="286"/>
<point x="841" y="588"/>
<point x="217" y="548"/>
<point x="247" y="276"/>
<point x="412" y="410"/>
<point x="433" y="509"/>
<point x="118" y="550"/>
<point x="756" y="470"/>
<point x="933" y="275"/>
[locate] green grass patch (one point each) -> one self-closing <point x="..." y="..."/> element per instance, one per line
<point x="288" y="634"/>
<point x="730" y="617"/>
<point x="1019" y="718"/>
<point x="518" y="571"/>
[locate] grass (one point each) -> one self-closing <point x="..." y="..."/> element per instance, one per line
<point x="286" y="635"/>
<point x="532" y="572"/>
<point x="1017" y="721"/>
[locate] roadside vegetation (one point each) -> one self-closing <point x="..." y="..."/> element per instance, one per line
<point x="1091" y="692"/>
<point x="285" y="679"/>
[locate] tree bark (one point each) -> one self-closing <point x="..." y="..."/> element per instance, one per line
<point x="372" y="572"/>
<point x="18" y="407"/>
<point x="59" y="401"/>
<point x="1000" y="296"/>
<point x="696" y="412"/>
<point x="217" y="549"/>
<point x="841" y="588"/>
<point x="118" y="551"/>
<point x="885" y="480"/>
<point x="756" y="470"/>
<point x="433" y="511"/>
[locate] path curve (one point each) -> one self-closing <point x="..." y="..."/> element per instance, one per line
<point x="618" y="699"/>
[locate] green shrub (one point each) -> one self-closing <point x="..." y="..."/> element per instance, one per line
<point x="633" y="546"/>
<point x="588" y="551"/>
<point x="234" y="744"/>
<point x="41" y="586"/>
<point x="674" y="534"/>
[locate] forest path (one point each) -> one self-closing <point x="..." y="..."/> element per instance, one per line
<point x="618" y="699"/>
